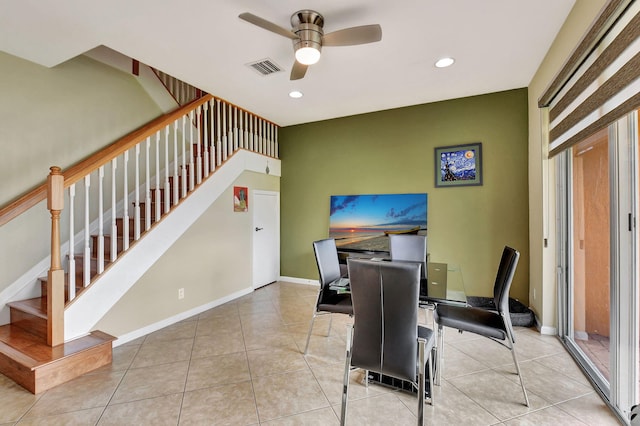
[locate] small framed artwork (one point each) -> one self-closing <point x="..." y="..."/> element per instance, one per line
<point x="458" y="165"/>
<point x="240" y="199"/>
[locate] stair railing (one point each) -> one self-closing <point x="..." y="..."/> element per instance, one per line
<point x="182" y="92"/>
<point x="105" y="203"/>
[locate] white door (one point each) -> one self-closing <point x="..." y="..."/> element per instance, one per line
<point x="266" y="237"/>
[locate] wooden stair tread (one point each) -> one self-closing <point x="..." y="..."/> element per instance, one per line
<point x="33" y="352"/>
<point x="36" y="307"/>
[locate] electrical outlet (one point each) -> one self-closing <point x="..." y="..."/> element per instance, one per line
<point x="181" y="293"/>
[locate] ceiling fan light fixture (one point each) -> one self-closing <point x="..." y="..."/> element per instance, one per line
<point x="444" y="62"/>
<point x="307" y="55"/>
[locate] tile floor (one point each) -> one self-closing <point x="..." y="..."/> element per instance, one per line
<point x="240" y="364"/>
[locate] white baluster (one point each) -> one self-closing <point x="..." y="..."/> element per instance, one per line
<point x="241" y="130"/>
<point x="224" y="134"/>
<point x="86" y="266"/>
<point x="125" y="196"/>
<point x="218" y="133"/>
<point x="100" y="241"/>
<point x="72" y="243"/>
<point x="235" y="129"/>
<point x="147" y="195"/>
<point x="114" y="225"/>
<point x="175" y="190"/>
<point x="192" y="169"/>
<point x="246" y="132"/>
<point x="136" y="212"/>
<point x="205" y="141"/>
<point x="269" y="139"/>
<point x="212" y="145"/>
<point x="157" y="189"/>
<point x="184" y="157"/>
<point x="251" y="146"/>
<point x="167" y="186"/>
<point x="276" y="148"/>
<point x="230" y="131"/>
<point x="262" y="136"/>
<point x="199" y="144"/>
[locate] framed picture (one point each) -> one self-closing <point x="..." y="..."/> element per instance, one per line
<point x="240" y="199"/>
<point x="458" y="165"/>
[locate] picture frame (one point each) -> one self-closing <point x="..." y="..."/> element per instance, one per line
<point x="240" y="199"/>
<point x="458" y="165"/>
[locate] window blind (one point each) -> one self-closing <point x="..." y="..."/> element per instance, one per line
<point x="601" y="80"/>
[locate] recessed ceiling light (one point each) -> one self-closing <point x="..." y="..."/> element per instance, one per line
<point x="445" y="62"/>
<point x="295" y="94"/>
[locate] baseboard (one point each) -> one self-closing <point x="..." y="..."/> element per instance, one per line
<point x="545" y="329"/>
<point x="298" y="280"/>
<point x="125" y="338"/>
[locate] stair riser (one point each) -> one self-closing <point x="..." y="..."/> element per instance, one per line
<point x="69" y="368"/>
<point x="107" y="245"/>
<point x="43" y="287"/>
<point x="38" y="367"/>
<point x="132" y="229"/>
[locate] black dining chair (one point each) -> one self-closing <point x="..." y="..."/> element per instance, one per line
<point x="412" y="248"/>
<point x="329" y="301"/>
<point x="385" y="336"/>
<point x="493" y="324"/>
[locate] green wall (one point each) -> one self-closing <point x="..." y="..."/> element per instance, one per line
<point x="392" y="152"/>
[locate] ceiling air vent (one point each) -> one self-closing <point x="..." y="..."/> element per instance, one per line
<point x="265" y="67"/>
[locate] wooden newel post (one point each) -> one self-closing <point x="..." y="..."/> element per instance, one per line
<point x="55" y="282"/>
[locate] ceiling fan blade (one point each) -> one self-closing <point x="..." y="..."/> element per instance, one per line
<point x="298" y="71"/>
<point x="354" y="35"/>
<point x="269" y="26"/>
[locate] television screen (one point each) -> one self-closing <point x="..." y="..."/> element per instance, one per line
<point x="363" y="222"/>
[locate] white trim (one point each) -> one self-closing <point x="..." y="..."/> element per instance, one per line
<point x="179" y="317"/>
<point x="299" y="280"/>
<point x="545" y="329"/>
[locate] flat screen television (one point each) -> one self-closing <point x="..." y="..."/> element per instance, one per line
<point x="363" y="222"/>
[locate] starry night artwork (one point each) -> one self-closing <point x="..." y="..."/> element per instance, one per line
<point x="459" y="165"/>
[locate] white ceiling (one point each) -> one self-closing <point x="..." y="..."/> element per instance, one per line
<point x="497" y="44"/>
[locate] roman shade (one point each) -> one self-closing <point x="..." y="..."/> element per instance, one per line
<point x="600" y="82"/>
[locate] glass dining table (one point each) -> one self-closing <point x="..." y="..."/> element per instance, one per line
<point x="444" y="284"/>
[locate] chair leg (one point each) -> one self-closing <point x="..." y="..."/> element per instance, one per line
<point x="432" y="391"/>
<point x="309" y="333"/>
<point x="515" y="361"/>
<point x="330" y="321"/>
<point x="421" y="350"/>
<point x="345" y="385"/>
<point x="439" y="363"/>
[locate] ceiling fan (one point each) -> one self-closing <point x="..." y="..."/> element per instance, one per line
<point x="308" y="37"/>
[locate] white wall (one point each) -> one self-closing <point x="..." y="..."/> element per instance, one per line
<point x="211" y="261"/>
<point x="542" y="214"/>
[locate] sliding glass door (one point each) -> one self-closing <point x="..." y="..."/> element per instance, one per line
<point x="598" y="257"/>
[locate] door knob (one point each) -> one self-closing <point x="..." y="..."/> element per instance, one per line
<point x="258" y="229"/>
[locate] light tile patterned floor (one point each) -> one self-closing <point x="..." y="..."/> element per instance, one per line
<point x="241" y="364"/>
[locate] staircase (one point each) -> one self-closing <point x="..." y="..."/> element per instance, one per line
<point x="26" y="353"/>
